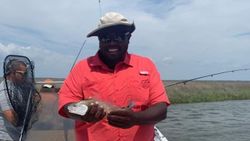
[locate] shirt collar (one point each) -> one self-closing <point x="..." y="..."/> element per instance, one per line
<point x="128" y="60"/>
<point x="96" y="61"/>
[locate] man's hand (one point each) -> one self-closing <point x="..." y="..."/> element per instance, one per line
<point x="95" y="113"/>
<point x="124" y="118"/>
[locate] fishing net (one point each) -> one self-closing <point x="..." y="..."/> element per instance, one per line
<point x="20" y="85"/>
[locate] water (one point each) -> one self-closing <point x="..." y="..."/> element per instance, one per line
<point x="213" y="121"/>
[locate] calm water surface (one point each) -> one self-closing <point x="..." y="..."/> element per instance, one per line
<point x="213" y="121"/>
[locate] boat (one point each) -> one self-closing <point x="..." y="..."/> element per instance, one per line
<point x="158" y="135"/>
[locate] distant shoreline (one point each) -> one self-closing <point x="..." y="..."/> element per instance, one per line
<point x="208" y="91"/>
<point x="165" y="81"/>
<point x="195" y="91"/>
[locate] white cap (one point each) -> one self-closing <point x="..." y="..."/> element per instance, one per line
<point x="114" y="21"/>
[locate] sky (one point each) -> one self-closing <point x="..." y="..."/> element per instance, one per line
<point x="184" y="38"/>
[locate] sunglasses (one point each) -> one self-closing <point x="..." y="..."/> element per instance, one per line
<point x="22" y="73"/>
<point x="117" y="38"/>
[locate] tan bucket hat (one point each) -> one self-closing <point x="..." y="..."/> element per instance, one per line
<point x="114" y="21"/>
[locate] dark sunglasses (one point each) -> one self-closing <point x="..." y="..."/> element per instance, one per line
<point x="22" y="73"/>
<point x="118" y="38"/>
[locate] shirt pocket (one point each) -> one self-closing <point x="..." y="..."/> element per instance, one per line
<point x="92" y="88"/>
<point x="139" y="91"/>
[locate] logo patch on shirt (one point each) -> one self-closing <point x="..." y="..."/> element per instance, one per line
<point x="145" y="80"/>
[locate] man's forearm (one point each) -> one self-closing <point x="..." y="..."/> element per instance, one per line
<point x="11" y="116"/>
<point x="152" y="115"/>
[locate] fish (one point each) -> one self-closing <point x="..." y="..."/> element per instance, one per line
<point x="81" y="107"/>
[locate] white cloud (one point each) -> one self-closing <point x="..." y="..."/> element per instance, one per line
<point x="201" y="35"/>
<point x="47" y="63"/>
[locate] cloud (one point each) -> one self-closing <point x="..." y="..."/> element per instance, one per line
<point x="47" y="63"/>
<point x="242" y="34"/>
<point x="200" y="36"/>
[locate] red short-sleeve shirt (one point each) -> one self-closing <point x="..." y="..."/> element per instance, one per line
<point x="135" y="79"/>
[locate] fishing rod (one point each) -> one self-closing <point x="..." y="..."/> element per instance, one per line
<point x="65" y="121"/>
<point x="209" y="75"/>
<point x="100" y="12"/>
<point x="100" y="8"/>
<point x="79" y="52"/>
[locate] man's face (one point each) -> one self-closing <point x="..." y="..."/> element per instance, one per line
<point x="20" y="73"/>
<point x="113" y="45"/>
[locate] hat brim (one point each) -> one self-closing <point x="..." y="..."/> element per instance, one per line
<point x="124" y="27"/>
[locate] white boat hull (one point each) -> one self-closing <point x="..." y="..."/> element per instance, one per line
<point x="158" y="135"/>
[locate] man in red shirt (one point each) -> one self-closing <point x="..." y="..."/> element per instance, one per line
<point x="122" y="93"/>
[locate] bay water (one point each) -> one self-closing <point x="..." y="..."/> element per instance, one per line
<point x="212" y="121"/>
